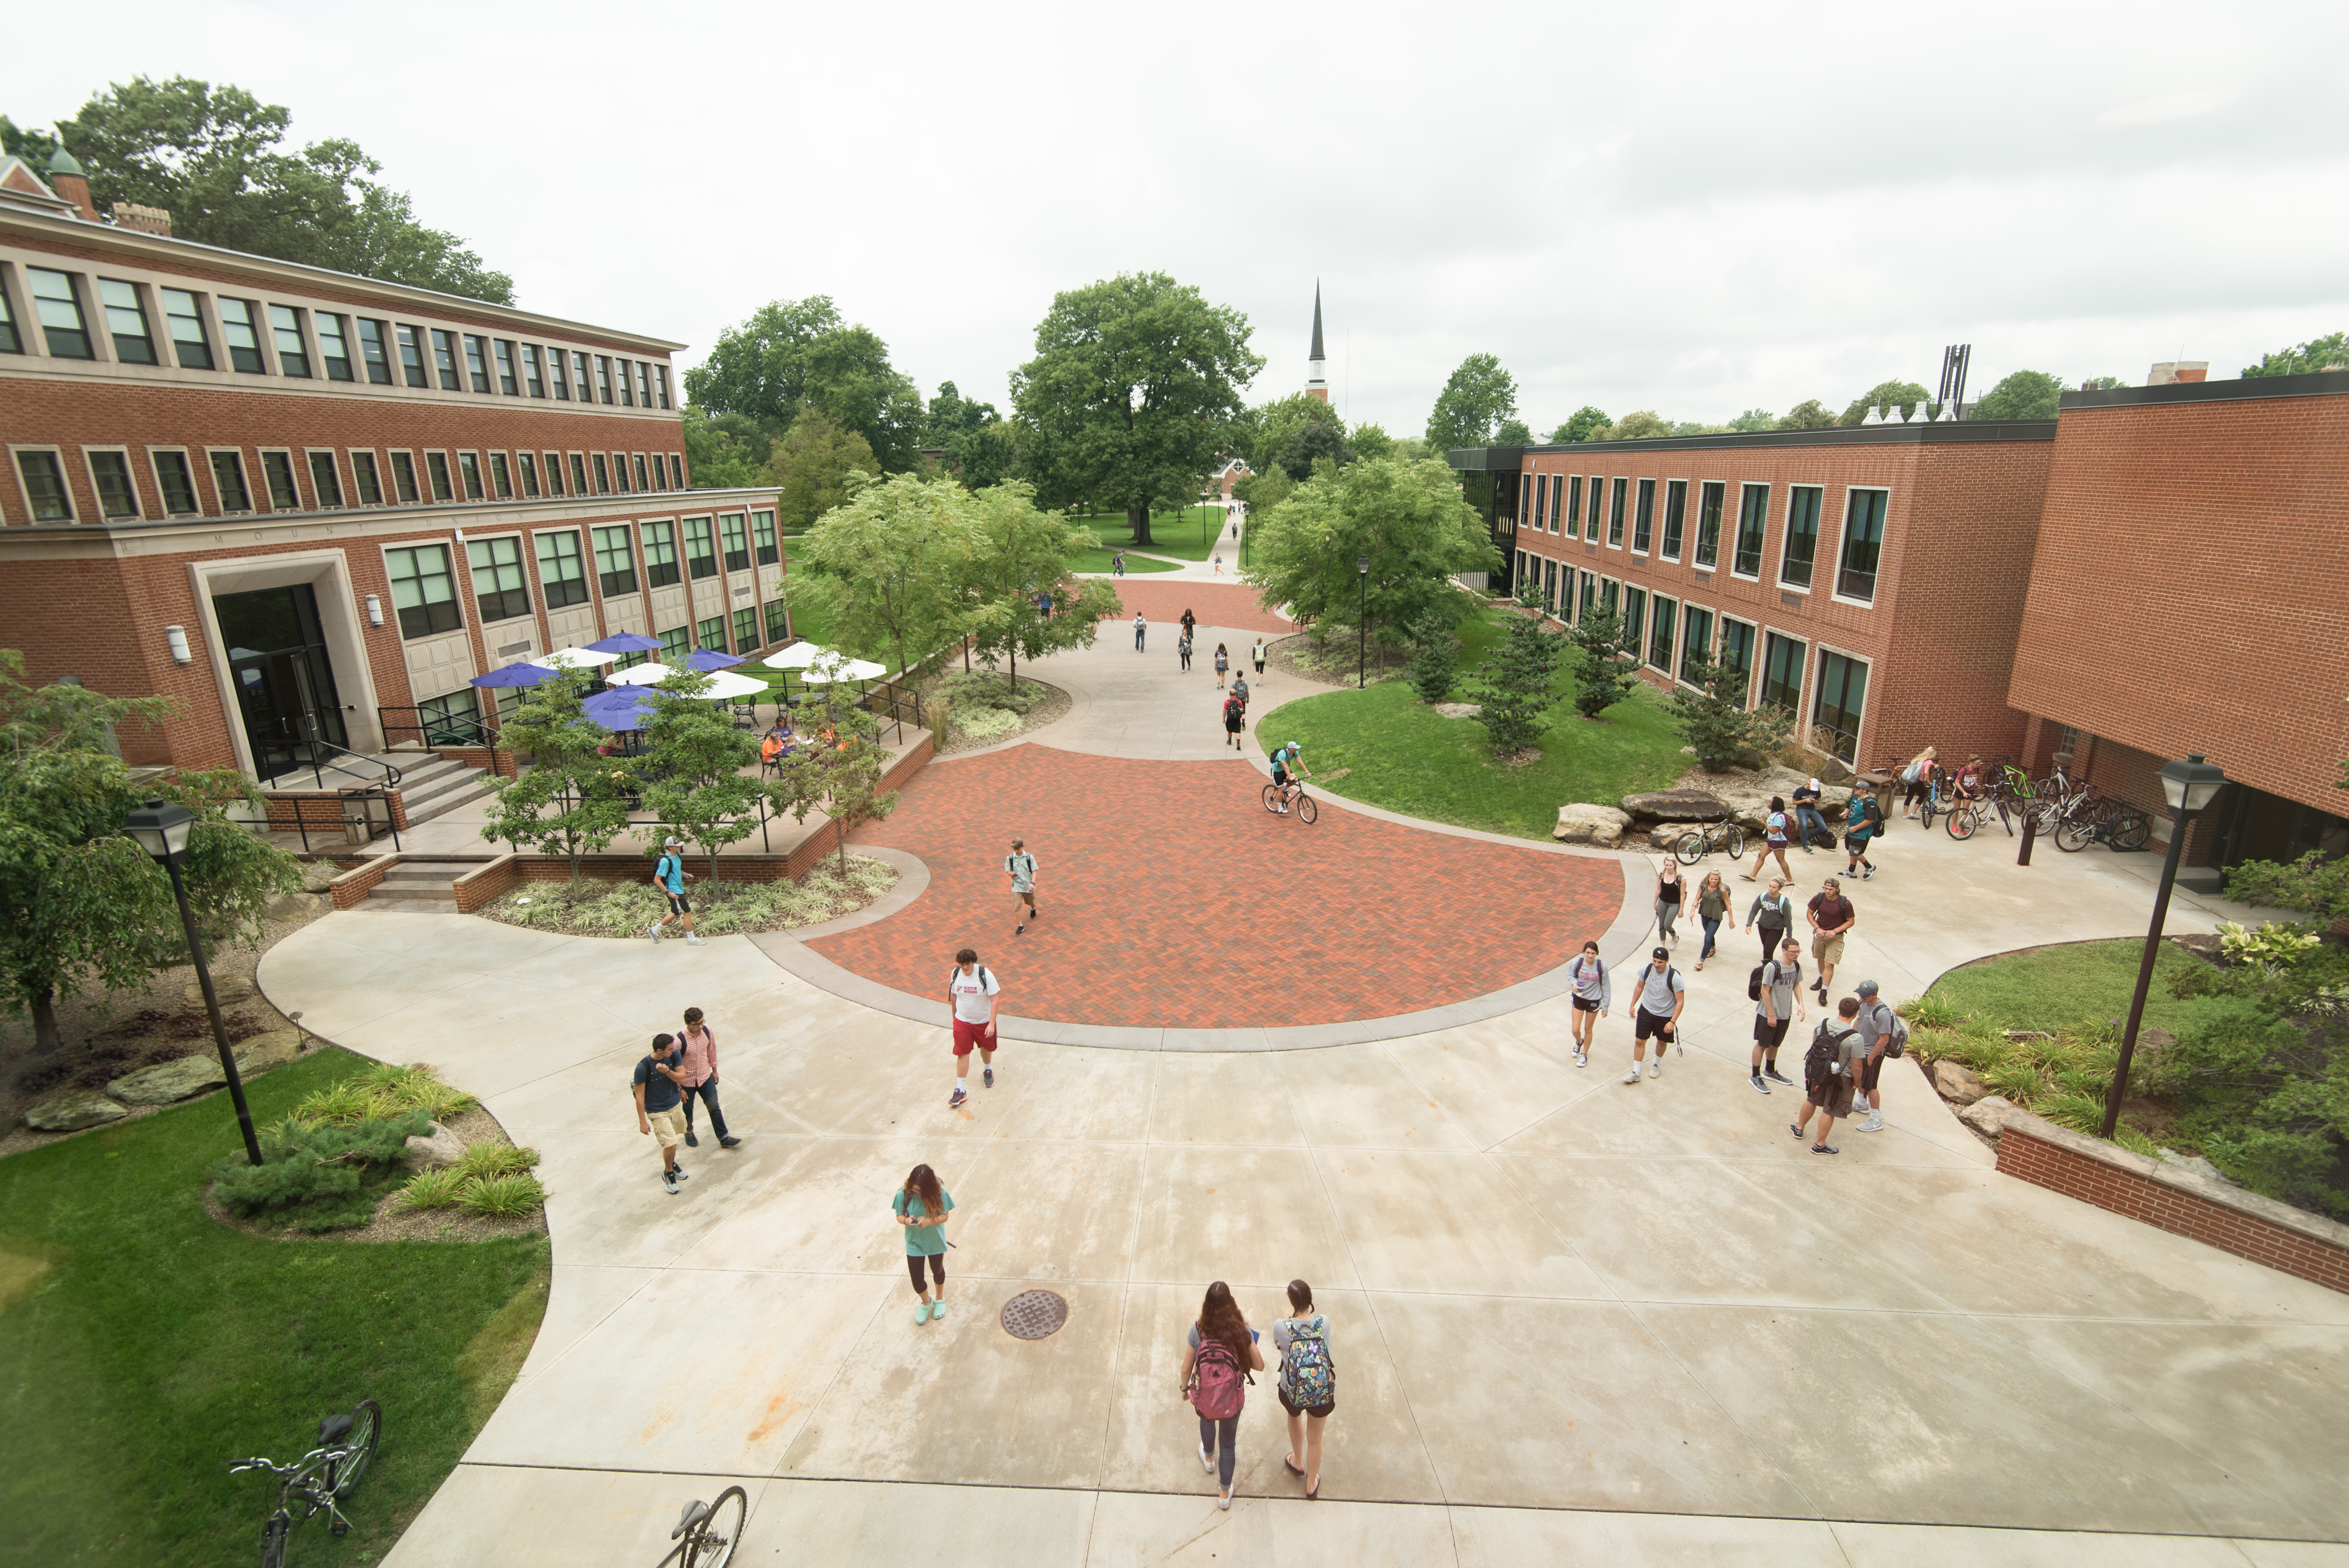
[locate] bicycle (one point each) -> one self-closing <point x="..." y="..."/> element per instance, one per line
<point x="708" y="1532"/>
<point x="320" y="1479"/>
<point x="1302" y="805"/>
<point x="2114" y="823"/>
<point x="1965" y="815"/>
<point x="1699" y="841"/>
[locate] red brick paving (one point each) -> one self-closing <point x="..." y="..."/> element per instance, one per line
<point x="1231" y="606"/>
<point x="1171" y="898"/>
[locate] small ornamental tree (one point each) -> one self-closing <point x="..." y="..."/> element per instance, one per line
<point x="1016" y="583"/>
<point x="1715" y="721"/>
<point x="1435" y="657"/>
<point x="1515" y="685"/>
<point x="693" y="765"/>
<point x="1601" y="678"/>
<point x="838" y="770"/>
<point x="572" y="800"/>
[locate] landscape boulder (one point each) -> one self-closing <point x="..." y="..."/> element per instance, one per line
<point x="226" y="992"/>
<point x="288" y="906"/>
<point x="318" y="876"/>
<point x="1674" y="806"/>
<point x="261" y="1052"/>
<point x="73" y="1110"/>
<point x="1580" y="822"/>
<point x="1959" y="1083"/>
<point x="168" y="1081"/>
<point x="1749" y="797"/>
<point x="438" y="1147"/>
<point x="1988" y="1115"/>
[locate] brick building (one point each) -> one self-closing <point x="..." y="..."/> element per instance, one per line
<point x="2191" y="594"/>
<point x="1870" y="579"/>
<point x="312" y="506"/>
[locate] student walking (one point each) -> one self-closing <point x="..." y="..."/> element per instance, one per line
<point x="1594" y="995"/>
<point x="699" y="1079"/>
<point x="1883" y="1035"/>
<point x="1712" y="907"/>
<point x="1219" y="562"/>
<point x="1777" y="987"/>
<point x="1222" y="664"/>
<point x="1117" y="564"/>
<point x="1021" y="866"/>
<point x="1239" y="690"/>
<point x="1668" y="903"/>
<point x="1183" y="650"/>
<point x="1260" y="659"/>
<point x="1235" y="720"/>
<point x="1190" y="622"/>
<point x="1141" y="631"/>
<point x="921" y="1207"/>
<point x="1775" y="831"/>
<point x="973" y="995"/>
<point x="670" y="877"/>
<point x="1861" y="824"/>
<point x="1774" y="914"/>
<point x="1827" y="1080"/>
<point x="655" y="1089"/>
<point x="1215" y="1367"/>
<point x="1831" y="915"/>
<point x="1309" y="1384"/>
<point x="1656" y="1012"/>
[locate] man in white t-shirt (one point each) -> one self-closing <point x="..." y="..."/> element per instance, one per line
<point x="972" y="992"/>
<point x="1658" y="996"/>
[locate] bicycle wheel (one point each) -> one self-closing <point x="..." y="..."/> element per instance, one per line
<point x="2075" y="834"/>
<point x="720" y="1530"/>
<point x="1272" y="797"/>
<point x="1306" y="810"/>
<point x="366" y="1425"/>
<point x="2007" y="814"/>
<point x="1735" y="844"/>
<point x="272" y="1540"/>
<point x="1926" y="812"/>
<point x="1962" y="820"/>
<point x="1690" y="848"/>
<point x="2132" y="830"/>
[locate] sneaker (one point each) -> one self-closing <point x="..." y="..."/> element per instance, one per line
<point x="1017" y="930"/>
<point x="987" y="1077"/>
<point x="692" y="1140"/>
<point x="1656" y="1065"/>
<point x="1775" y="1077"/>
<point x="727" y="1142"/>
<point x="1873" y="1124"/>
<point x="1793" y="1128"/>
<point x="1859" y="1102"/>
<point x="655" y="931"/>
<point x="1582" y="1058"/>
<point x="1207" y="1461"/>
<point x="922" y="1313"/>
<point x="1633" y="1076"/>
<point x="1825" y="1148"/>
<point x="938" y="1309"/>
<point x="691" y="941"/>
<point x="668" y="1181"/>
<point x="682" y="1174"/>
<point x="1759" y="1086"/>
<point x="956" y="1098"/>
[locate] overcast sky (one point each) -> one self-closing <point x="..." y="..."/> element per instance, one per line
<point x="1695" y="208"/>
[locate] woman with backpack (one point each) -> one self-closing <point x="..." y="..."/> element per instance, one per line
<point x="1594" y="994"/>
<point x="1215" y="1367"/>
<point x="1712" y="907"/>
<point x="1309" y="1384"/>
<point x="1190" y="622"/>
<point x="1222" y="664"/>
<point x="1918" y="781"/>
<point x="1669" y="888"/>
<point x="1774" y="913"/>
<point x="1775" y="831"/>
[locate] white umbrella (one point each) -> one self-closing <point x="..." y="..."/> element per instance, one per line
<point x="577" y="658"/>
<point x="797" y="655"/>
<point x="721" y="684"/>
<point x="646" y="674"/>
<point x="725" y="683"/>
<point x="839" y="668"/>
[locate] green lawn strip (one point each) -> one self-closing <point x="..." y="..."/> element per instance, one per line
<point x="1193" y="534"/>
<point x="157" y="1345"/>
<point x="2059" y="987"/>
<point x="1099" y="561"/>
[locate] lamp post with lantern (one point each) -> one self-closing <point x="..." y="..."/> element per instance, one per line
<point x="2188" y="786"/>
<point x="1362" y="627"/>
<point x="162" y="828"/>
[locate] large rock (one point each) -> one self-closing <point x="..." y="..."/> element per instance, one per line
<point x="73" y="1110"/>
<point x="1582" y="823"/>
<point x="318" y="876"/>
<point x="260" y="1052"/>
<point x="1674" y="806"/>
<point x="227" y="992"/>
<point x="1749" y="797"/>
<point x="168" y="1081"/>
<point x="1988" y="1115"/>
<point x="290" y="907"/>
<point x="1959" y="1083"/>
<point x="440" y="1147"/>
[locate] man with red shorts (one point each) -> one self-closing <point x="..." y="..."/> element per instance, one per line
<point x="972" y="992"/>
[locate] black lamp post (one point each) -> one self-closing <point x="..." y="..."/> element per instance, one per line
<point x="1362" y="626"/>
<point x="161" y="829"/>
<point x="2188" y="786"/>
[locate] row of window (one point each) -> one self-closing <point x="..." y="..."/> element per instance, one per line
<point x="1674" y="638"/>
<point x="424" y="583"/>
<point x="141" y="324"/>
<point x="1554" y="503"/>
<point x="325" y="478"/>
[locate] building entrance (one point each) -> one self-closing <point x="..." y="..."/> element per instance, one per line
<point x="285" y="682"/>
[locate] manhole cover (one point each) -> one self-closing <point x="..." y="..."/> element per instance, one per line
<point x="1033" y="1314"/>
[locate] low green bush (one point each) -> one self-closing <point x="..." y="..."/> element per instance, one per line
<point x="432" y="1189"/>
<point x="318" y="1178"/>
<point x="976" y="722"/>
<point x="627" y="908"/>
<point x="502" y="1196"/>
<point x="385" y="1089"/>
<point x="488" y="1159"/>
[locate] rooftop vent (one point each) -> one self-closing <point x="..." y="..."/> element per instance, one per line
<point x="147" y="220"/>
<point x="2173" y="370"/>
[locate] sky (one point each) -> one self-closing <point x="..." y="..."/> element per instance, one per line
<point x="1698" y="209"/>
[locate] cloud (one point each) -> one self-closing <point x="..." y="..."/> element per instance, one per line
<point x="2167" y="108"/>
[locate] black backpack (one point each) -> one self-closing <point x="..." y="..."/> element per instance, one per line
<point x="1819" y="1061"/>
<point x="1754" y="982"/>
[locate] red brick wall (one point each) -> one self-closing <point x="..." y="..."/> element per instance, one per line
<point x="350" y="889"/>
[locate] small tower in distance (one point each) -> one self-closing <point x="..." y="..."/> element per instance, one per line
<point x="1316" y="382"/>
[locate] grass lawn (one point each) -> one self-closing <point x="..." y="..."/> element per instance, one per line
<point x="1190" y="535"/>
<point x="2055" y="988"/>
<point x="153" y="1346"/>
<point x="1098" y="561"/>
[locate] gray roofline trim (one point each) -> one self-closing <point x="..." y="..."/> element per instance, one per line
<point x="459" y="513"/>
<point x="2316" y="384"/>
<point x="1940" y="432"/>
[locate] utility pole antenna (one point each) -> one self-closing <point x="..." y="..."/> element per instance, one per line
<point x="1954" y="359"/>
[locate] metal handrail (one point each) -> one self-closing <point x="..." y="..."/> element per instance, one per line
<point x="389" y="779"/>
<point x="341" y="820"/>
<point x="467" y="731"/>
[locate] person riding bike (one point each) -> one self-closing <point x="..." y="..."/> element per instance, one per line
<point x="1288" y="771"/>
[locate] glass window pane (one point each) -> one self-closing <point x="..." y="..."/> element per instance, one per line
<point x="178" y="483"/>
<point x="1843" y="695"/>
<point x="1615" y="512"/>
<point x="603" y="476"/>
<point x="710" y="634"/>
<point x="1753" y="518"/>
<point x="660" y="380"/>
<point x="615" y="561"/>
<point x="1660" y="625"/>
<point x="326" y="480"/>
<point x="117" y="497"/>
<point x="1802" y="535"/>
<point x="506" y="354"/>
<point x="469" y="469"/>
<point x="370" y="483"/>
<point x="554" y="362"/>
<point x="333" y="347"/>
<point x="422" y="589"/>
<point x="661" y="554"/>
<point x="499" y="587"/>
<point x="531" y="376"/>
<point x="411" y="357"/>
<point x="763" y="530"/>
<point x="1782" y="673"/>
<point x="228" y="479"/>
<point x="529" y="460"/>
<point x="737" y="541"/>
<point x="185" y="322"/>
<point x="700" y="547"/>
<point x="444" y="361"/>
<point x="126" y="320"/>
<point x="436" y="466"/>
<point x="578" y="474"/>
<point x="746" y="629"/>
<point x="44" y="486"/>
<point x="1863" y="544"/>
<point x="371" y="349"/>
<point x="1696" y="641"/>
<point x="640" y="472"/>
<point x="603" y="379"/>
<point x="562" y="572"/>
<point x="242" y="334"/>
<point x="403" y="476"/>
<point x="1737" y="646"/>
<point x="1643" y="527"/>
<point x="59" y="308"/>
<point x="277" y="468"/>
<point x="675" y="472"/>
<point x="1675" y="514"/>
<point x="285" y="328"/>
<point x="11" y="341"/>
<point x="477" y="363"/>
<point x="501" y="477"/>
<point x="779" y="623"/>
<point x="1635" y="615"/>
<point x="1574" y="507"/>
<point x="1708" y="524"/>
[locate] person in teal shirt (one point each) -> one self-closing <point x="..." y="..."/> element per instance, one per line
<point x="921" y="1206"/>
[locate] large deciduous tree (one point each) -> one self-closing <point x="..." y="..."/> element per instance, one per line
<point x="2024" y="395"/>
<point x="2330" y="352"/>
<point x="1134" y="392"/>
<point x="1268" y="429"/>
<point x="760" y="368"/>
<point x="725" y="452"/>
<point x="1904" y="396"/>
<point x="1474" y="402"/>
<point x="1810" y="414"/>
<point x="1587" y="420"/>
<point x="1018" y="589"/>
<point x="810" y="466"/>
<point x="882" y="563"/>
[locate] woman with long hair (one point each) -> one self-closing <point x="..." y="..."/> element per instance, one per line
<point x="1190" y="622"/>
<point x="1776" y="829"/>
<point x="1712" y="907"/>
<point x="921" y="1207"/>
<point x="1916" y="780"/>
<point x="1215" y="1367"/>
<point x="1309" y="1384"/>
<point x="1669" y="890"/>
<point x="1594" y="994"/>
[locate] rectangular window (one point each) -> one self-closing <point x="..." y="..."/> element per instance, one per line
<point x="371" y="351"/>
<point x="603" y="476"/>
<point x="444" y="361"/>
<point x="1737" y="646"/>
<point x="710" y="634"/>
<point x="1675" y="516"/>
<point x="477" y="362"/>
<point x="228" y="479"/>
<point x="562" y="572"/>
<point x="660" y="381"/>
<point x="620" y="471"/>
<point x="762" y="534"/>
<point x="644" y="384"/>
<point x="554" y="474"/>
<point x="333" y="346"/>
<point x="1863" y="544"/>
<point x="562" y="378"/>
<point x="603" y="379"/>
<point x="411" y="356"/>
<point x="403" y="476"/>
<point x="660" y="472"/>
<point x="111" y="472"/>
<point x="277" y="470"/>
<point x="293" y="353"/>
<point x="44" y="486"/>
<point x="1615" y="513"/>
<point x="11" y="341"/>
<point x="422" y="590"/>
<point x="242" y="334"/>
<point x="700" y="547"/>
<point x="640" y="471"/>
<point x="737" y="541"/>
<point x="326" y="480"/>
<point x="529" y="460"/>
<point x="1782" y="673"/>
<point x="1589" y="593"/>
<point x="615" y="561"/>
<point x="185" y="322"/>
<point x="126" y="321"/>
<point x="675" y="472"/>
<point x="584" y="376"/>
<point x="530" y="375"/>
<point x="746" y="629"/>
<point x="779" y="621"/>
<point x="675" y="644"/>
<point x="627" y="390"/>
<point x="1556" y="501"/>
<point x="1574" y="507"/>
<point x="1753" y="517"/>
<point x="501" y="477"/>
<point x="59" y="308"/>
<point x="499" y="588"/>
<point x="1661" y="622"/>
<point x="370" y="482"/>
<point x="660" y="554"/>
<point x="1541" y="502"/>
<point x="178" y="483"/>
<point x="1696" y="641"/>
<point x="578" y="474"/>
<point x="1802" y="535"/>
<point x="1643" y="526"/>
<point x="505" y="354"/>
<point x="1708" y="524"/>
<point x="1843" y="694"/>
<point x="1610" y="595"/>
<point x="1635" y="619"/>
<point x="469" y="469"/>
<point x="436" y="464"/>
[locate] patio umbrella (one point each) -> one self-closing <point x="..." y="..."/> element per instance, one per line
<point x="626" y="642"/>
<point x="647" y="674"/>
<point x="797" y="655"/>
<point x="515" y="675"/>
<point x="838" y="668"/>
<point x="580" y="658"/>
<point x="626" y="707"/>
<point x="710" y="659"/>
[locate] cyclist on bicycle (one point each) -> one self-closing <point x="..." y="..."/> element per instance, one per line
<point x="1288" y="771"/>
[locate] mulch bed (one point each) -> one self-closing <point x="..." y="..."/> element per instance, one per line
<point x="395" y="1222"/>
<point x="1053" y="705"/>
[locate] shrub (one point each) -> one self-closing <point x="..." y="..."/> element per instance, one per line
<point x="2276" y="946"/>
<point x="1932" y="1010"/>
<point x="432" y="1189"/>
<point x="1436" y="661"/>
<point x="979" y="723"/>
<point x="2018" y="1081"/>
<point x="317" y="1177"/>
<point x="626" y="909"/>
<point x="2081" y="1113"/>
<point x="503" y="1197"/>
<point x="385" y="1089"/>
<point x="488" y="1159"/>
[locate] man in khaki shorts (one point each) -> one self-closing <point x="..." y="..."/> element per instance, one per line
<point x="1832" y="915"/>
<point x="660" y="1102"/>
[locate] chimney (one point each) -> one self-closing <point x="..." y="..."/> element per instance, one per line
<point x="147" y="220"/>
<point x="67" y="180"/>
<point x="2174" y="370"/>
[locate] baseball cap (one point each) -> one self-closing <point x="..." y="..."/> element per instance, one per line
<point x="1660" y="953"/>
<point x="1865" y="987"/>
<point x="672" y="844"/>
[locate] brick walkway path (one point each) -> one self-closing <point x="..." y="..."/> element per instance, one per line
<point x="1163" y="889"/>
<point x="1231" y="606"/>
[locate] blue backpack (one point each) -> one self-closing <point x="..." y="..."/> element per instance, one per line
<point x="1308" y="1377"/>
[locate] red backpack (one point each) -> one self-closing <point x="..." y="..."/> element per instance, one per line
<point x="1216" y="1387"/>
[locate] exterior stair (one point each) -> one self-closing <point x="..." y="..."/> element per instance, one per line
<point x="431" y="786"/>
<point x="419" y="886"/>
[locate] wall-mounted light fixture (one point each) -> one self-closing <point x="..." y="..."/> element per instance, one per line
<point x="177" y="637"/>
<point x="375" y="610"/>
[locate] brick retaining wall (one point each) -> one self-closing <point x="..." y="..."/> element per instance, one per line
<point x="350" y="889"/>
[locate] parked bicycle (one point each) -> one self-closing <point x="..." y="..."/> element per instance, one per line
<point x="1301" y="804"/>
<point x="2112" y="822"/>
<point x="1700" y="842"/>
<point x="708" y="1532"/>
<point x="1966" y="815"/>
<point x="319" y="1479"/>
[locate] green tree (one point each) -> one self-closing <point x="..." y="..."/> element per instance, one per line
<point x="1017" y="581"/>
<point x="843" y="778"/>
<point x="1308" y="445"/>
<point x="1436" y="657"/>
<point x="2327" y="353"/>
<point x="1696" y="427"/>
<point x="2311" y="884"/>
<point x="572" y="800"/>
<point x="1810" y="414"/>
<point x="693" y="767"/>
<point x="1711" y="711"/>
<point x="35" y="147"/>
<point x="760" y="368"/>
<point x="1133" y="391"/>
<point x="2024" y="395"/>
<point x="1477" y="397"/>
<point x="86" y="906"/>
<point x="1515" y="685"/>
<point x="1601" y="677"/>
<point x="1638" y="426"/>
<point x="2102" y="383"/>
<point x="1586" y="420"/>
<point x="1513" y="432"/>
<point x="211" y="156"/>
<point x="988" y="455"/>
<point x="1269" y="428"/>
<point x="950" y="415"/>
<point x="1370" y="439"/>
<point x="850" y="382"/>
<point x="725" y="452"/>
<point x="882" y="563"/>
<point x="1902" y="395"/>
<point x="810" y="466"/>
<point x="1753" y="420"/>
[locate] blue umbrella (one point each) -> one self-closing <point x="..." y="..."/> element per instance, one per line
<point x="515" y="675"/>
<point x="707" y="660"/>
<point x="626" y="642"/>
<point x="621" y="708"/>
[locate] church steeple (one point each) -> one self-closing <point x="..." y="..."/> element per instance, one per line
<point x="1317" y="383"/>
